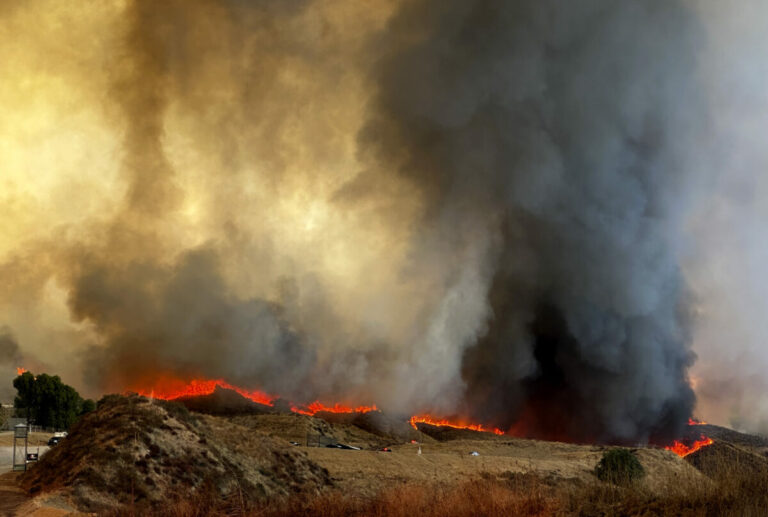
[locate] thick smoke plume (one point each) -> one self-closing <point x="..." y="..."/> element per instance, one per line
<point x="563" y="133"/>
<point x="471" y="207"/>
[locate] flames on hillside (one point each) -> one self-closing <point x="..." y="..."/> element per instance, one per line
<point x="682" y="450"/>
<point x="456" y="424"/>
<point x="685" y="447"/>
<point x="170" y="388"/>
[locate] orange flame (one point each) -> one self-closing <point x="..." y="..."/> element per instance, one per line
<point x="456" y="424"/>
<point x="317" y="407"/>
<point x="683" y="450"/>
<point x="693" y="421"/>
<point x="169" y="388"/>
<point x="20" y="370"/>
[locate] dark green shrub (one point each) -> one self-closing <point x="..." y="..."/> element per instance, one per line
<point x="619" y="466"/>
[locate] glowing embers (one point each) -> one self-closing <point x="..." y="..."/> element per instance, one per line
<point x="683" y="450"/>
<point x="456" y="424"/>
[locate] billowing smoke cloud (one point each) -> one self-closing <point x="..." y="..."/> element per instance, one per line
<point x="564" y="133"/>
<point x="468" y="207"/>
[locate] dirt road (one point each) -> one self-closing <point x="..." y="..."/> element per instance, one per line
<point x="6" y="456"/>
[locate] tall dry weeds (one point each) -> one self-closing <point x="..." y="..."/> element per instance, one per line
<point x="732" y="491"/>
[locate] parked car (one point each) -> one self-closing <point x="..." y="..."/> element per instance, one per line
<point x="54" y="441"/>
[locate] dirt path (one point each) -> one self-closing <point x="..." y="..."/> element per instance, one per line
<point x="11" y="496"/>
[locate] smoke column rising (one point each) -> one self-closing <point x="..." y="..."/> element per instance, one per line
<point x="563" y="133"/>
<point x="461" y="207"/>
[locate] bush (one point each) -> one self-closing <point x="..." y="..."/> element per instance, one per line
<point x="619" y="466"/>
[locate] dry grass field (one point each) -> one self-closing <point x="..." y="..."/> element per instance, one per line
<point x="508" y="477"/>
<point x="731" y="493"/>
<point x="367" y="472"/>
<point x="133" y="457"/>
<point x="35" y="439"/>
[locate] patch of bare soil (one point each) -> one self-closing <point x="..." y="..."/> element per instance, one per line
<point x="135" y="452"/>
<point x="11" y="496"/>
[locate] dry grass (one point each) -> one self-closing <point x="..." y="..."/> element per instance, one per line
<point x="129" y="442"/>
<point x="133" y="453"/>
<point x="35" y="439"/>
<point x="733" y="492"/>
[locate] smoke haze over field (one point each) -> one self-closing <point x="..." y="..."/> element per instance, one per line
<point x="496" y="209"/>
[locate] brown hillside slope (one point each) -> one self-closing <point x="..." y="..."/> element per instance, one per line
<point x="723" y="458"/>
<point x="133" y="451"/>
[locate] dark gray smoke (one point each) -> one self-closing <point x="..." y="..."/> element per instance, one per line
<point x="563" y="129"/>
<point x="9" y="348"/>
<point x="457" y="206"/>
<point x="10" y="359"/>
<point x="186" y="321"/>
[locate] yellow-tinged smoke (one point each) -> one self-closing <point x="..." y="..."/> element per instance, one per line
<point x="415" y="203"/>
<point x="133" y="132"/>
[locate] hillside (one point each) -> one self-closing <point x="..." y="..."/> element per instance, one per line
<point x="135" y="451"/>
<point x="135" y="454"/>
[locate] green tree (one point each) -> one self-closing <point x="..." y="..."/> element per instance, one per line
<point x="88" y="406"/>
<point x="48" y="402"/>
<point x="26" y="399"/>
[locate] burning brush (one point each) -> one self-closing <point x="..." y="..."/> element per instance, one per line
<point x="169" y="388"/>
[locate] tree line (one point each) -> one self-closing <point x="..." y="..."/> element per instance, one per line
<point x="46" y="401"/>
